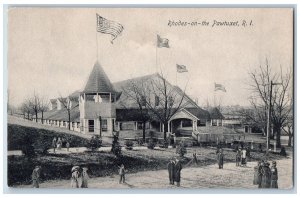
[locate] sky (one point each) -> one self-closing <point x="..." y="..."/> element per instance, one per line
<point x="51" y="51"/>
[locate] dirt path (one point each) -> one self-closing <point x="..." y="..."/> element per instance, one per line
<point x="200" y="177"/>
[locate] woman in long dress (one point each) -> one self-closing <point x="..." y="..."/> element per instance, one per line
<point x="75" y="177"/>
<point x="84" y="177"/>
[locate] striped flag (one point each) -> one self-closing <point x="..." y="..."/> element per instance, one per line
<point x="219" y="87"/>
<point x="181" y="68"/>
<point x="109" y="27"/>
<point x="162" y="42"/>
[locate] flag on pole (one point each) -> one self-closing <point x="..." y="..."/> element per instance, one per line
<point x="219" y="87"/>
<point x="162" y="42"/>
<point x="109" y="27"/>
<point x="181" y="68"/>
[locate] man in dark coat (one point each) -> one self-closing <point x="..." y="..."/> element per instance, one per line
<point x="171" y="170"/>
<point x="36" y="177"/>
<point x="274" y="175"/>
<point x="255" y="178"/>
<point x="266" y="176"/>
<point x="178" y="168"/>
<point x="259" y="173"/>
<point x="220" y="159"/>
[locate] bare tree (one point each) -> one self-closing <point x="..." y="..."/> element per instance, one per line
<point x="69" y="104"/>
<point x="159" y="98"/>
<point x="260" y="83"/>
<point x="34" y="104"/>
<point x="25" y="109"/>
<point x="133" y="92"/>
<point x="44" y="105"/>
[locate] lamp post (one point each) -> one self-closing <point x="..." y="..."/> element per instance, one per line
<point x="269" y="115"/>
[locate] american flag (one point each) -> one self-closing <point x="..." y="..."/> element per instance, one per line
<point x="109" y="27"/>
<point x="219" y="87"/>
<point x="181" y="68"/>
<point x="162" y="42"/>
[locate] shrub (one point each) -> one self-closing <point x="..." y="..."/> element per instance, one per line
<point x="116" y="147"/>
<point x="151" y="144"/>
<point x="164" y="144"/>
<point x="128" y="144"/>
<point x="94" y="143"/>
<point x="181" y="149"/>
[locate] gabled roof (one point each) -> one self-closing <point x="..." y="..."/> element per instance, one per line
<point x="198" y="112"/>
<point x="98" y="82"/>
<point x="215" y="113"/>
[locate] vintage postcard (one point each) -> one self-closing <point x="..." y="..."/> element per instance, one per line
<point x="150" y="98"/>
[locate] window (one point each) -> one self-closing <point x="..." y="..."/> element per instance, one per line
<point x="104" y="125"/>
<point x="140" y="125"/>
<point x="113" y="124"/>
<point x="126" y="126"/>
<point x="156" y="101"/>
<point x="91" y="125"/>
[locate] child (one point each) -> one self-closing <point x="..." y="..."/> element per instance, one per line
<point x="122" y="174"/>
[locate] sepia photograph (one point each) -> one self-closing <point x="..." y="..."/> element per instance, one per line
<point x="150" y="98"/>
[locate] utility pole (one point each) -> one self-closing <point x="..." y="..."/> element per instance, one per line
<point x="269" y="115"/>
<point x="100" y="126"/>
<point x="269" y="118"/>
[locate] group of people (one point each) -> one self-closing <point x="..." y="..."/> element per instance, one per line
<point x="58" y="143"/>
<point x="266" y="176"/>
<point x="79" y="174"/>
<point x="241" y="157"/>
<point x="174" y="169"/>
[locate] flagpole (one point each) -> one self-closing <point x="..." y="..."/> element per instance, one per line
<point x="97" y="34"/>
<point x="215" y="96"/>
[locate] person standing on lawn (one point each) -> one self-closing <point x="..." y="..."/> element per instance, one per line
<point x="255" y="178"/>
<point x="266" y="176"/>
<point x="122" y="174"/>
<point x="36" y="177"/>
<point x="171" y="171"/>
<point x="75" y="177"/>
<point x="244" y="157"/>
<point x="68" y="146"/>
<point x="84" y="177"/>
<point x="178" y="168"/>
<point x="274" y="175"/>
<point x="59" y="144"/>
<point x="54" y="144"/>
<point x="220" y="159"/>
<point x="259" y="176"/>
<point x="238" y="157"/>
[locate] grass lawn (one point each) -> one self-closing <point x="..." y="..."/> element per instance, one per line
<point x="58" y="166"/>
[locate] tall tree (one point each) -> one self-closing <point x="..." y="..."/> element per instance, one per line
<point x="260" y="83"/>
<point x="35" y="105"/>
<point x="133" y="92"/>
<point x="25" y="109"/>
<point x="44" y="106"/>
<point x="161" y="99"/>
<point x="69" y="104"/>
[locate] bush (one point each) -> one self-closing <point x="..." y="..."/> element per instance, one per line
<point x="94" y="143"/>
<point x="128" y="144"/>
<point x="164" y="144"/>
<point x="116" y="147"/>
<point x="181" y="149"/>
<point x="151" y="144"/>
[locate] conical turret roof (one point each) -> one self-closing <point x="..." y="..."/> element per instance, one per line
<point x="98" y="81"/>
